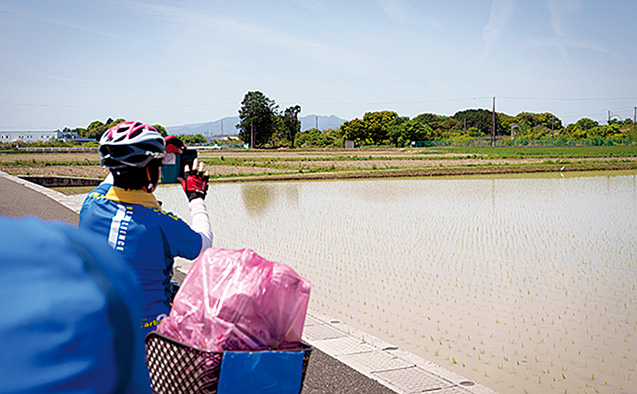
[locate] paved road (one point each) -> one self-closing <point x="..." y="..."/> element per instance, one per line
<point x="19" y="200"/>
<point x="325" y="375"/>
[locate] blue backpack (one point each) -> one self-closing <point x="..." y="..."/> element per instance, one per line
<point x="71" y="308"/>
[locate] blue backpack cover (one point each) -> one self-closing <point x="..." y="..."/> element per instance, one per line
<point x="70" y="313"/>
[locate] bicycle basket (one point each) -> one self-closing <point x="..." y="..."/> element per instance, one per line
<point x="176" y="367"/>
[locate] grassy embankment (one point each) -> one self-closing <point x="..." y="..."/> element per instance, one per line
<point x="352" y="163"/>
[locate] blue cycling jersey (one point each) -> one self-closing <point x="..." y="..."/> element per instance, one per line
<point x="148" y="238"/>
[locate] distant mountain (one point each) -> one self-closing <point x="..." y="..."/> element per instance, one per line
<point x="227" y="125"/>
<point x="321" y="122"/>
<point x="223" y="126"/>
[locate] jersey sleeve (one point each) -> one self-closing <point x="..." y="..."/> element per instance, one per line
<point x="182" y="240"/>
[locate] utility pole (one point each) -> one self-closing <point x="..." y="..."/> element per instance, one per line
<point x="493" y="124"/>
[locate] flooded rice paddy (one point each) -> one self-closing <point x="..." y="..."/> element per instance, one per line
<point x="524" y="284"/>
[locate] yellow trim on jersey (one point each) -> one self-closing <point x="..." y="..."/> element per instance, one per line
<point x="138" y="197"/>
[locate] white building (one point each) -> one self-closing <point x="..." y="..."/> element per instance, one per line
<point x="39" y="136"/>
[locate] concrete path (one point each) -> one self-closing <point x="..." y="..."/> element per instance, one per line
<point x="344" y="360"/>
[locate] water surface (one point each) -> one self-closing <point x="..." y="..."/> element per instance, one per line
<point x="525" y="284"/>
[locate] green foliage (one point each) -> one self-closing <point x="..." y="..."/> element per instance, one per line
<point x="190" y="139"/>
<point x="258" y="116"/>
<point x="396" y="131"/>
<point x="291" y="125"/>
<point x="161" y="129"/>
<point x="97" y="128"/>
<point x="376" y="124"/>
<point x="338" y="139"/>
<point x="415" y="131"/>
<point x="528" y="125"/>
<point x="586" y="124"/>
<point x="355" y="130"/>
<point x="372" y="129"/>
<point x="458" y="136"/>
<point x="479" y="118"/>
<point x="287" y="126"/>
<point x="432" y="120"/>
<point x="506" y="121"/>
<point x="588" y="128"/>
<point x="313" y="138"/>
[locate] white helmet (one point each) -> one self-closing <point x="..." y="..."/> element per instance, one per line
<point x="131" y="144"/>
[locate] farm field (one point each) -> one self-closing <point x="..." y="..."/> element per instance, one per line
<point x="522" y="282"/>
<point x="259" y="165"/>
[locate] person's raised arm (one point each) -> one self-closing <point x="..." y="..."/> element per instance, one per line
<point x="195" y="186"/>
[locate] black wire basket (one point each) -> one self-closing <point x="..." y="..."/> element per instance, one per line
<point x="176" y="367"/>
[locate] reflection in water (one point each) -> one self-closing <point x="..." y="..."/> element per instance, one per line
<point x="257" y="198"/>
<point x="523" y="284"/>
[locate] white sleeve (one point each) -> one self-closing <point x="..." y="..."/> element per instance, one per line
<point x="201" y="222"/>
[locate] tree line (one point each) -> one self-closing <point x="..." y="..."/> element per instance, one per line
<point x="95" y="130"/>
<point x="263" y="125"/>
<point x="388" y="128"/>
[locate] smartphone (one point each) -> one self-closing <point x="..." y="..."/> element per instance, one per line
<point x="187" y="158"/>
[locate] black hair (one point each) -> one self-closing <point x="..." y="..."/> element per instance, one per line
<point x="133" y="178"/>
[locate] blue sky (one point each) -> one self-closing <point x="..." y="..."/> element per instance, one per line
<point x="68" y="63"/>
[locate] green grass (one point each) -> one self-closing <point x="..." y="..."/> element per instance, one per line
<point x="559" y="151"/>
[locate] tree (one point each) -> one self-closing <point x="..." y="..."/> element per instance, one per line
<point x="161" y="129"/>
<point x="432" y="120"/>
<point x="581" y="128"/>
<point x="355" y="130"/>
<point x="313" y="138"/>
<point x="586" y="124"/>
<point x="97" y="128"/>
<point x="396" y="131"/>
<point x="336" y="136"/>
<point x="258" y="118"/>
<point x="193" y="139"/>
<point x="291" y="123"/>
<point x="377" y="123"/>
<point x="286" y="128"/>
<point x="416" y="131"/>
<point x="440" y="125"/>
<point x="507" y="121"/>
<point x="479" y="118"/>
<point x="612" y="130"/>
<point x="532" y="125"/>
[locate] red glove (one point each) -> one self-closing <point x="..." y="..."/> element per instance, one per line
<point x="196" y="183"/>
<point x="174" y="144"/>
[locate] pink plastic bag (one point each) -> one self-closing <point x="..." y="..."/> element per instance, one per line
<point x="237" y="300"/>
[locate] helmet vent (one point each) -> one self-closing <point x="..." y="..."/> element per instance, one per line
<point x="136" y="131"/>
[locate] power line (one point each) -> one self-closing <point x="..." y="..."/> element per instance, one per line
<point x="569" y="98"/>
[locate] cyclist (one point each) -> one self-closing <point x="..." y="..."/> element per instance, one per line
<point x="125" y="213"/>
